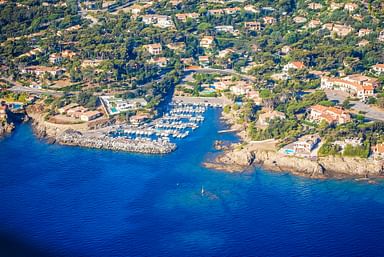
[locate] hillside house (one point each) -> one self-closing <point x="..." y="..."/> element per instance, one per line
<point x="351" y="7"/>
<point x="294" y="65"/>
<point x="266" y="117"/>
<point x="378" y="150"/>
<point x="207" y="41"/>
<point x="252" y="25"/>
<point x="378" y="68"/>
<point x="339" y="29"/>
<point x="154" y="49"/>
<point x="331" y="115"/>
<point x="364" y="32"/>
<point x="269" y="20"/>
<point x="315" y="6"/>
<point x="183" y="17"/>
<point x="41" y="70"/>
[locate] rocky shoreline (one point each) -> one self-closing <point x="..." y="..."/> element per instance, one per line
<point x="239" y="160"/>
<point x="6" y="128"/>
<point x="246" y="156"/>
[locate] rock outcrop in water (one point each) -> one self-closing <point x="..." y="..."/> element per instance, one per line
<point x="118" y="144"/>
<point x="237" y="160"/>
<point x="6" y="125"/>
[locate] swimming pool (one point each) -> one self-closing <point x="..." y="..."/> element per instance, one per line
<point x="289" y="151"/>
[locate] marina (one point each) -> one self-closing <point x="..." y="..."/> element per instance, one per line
<point x="177" y="123"/>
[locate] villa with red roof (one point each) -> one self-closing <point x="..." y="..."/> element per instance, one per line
<point x="329" y="114"/>
<point x="378" y="68"/>
<point x="294" y="65"/>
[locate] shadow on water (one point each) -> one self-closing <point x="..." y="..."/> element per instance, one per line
<point x="13" y="246"/>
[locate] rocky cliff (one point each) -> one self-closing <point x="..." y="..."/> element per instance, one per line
<point x="236" y="160"/>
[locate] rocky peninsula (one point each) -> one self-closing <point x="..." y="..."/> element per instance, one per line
<point x="247" y="154"/>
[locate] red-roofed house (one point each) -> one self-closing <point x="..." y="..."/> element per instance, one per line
<point x="329" y="114"/>
<point x="378" y="68"/>
<point x="294" y="65"/>
<point x="378" y="149"/>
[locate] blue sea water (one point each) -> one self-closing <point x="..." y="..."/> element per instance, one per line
<point x="68" y="201"/>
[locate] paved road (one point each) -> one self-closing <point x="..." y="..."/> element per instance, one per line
<point x="370" y="112"/>
<point x="19" y="88"/>
<point x="224" y="72"/>
<point x="22" y="89"/>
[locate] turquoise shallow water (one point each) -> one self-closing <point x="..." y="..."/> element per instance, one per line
<point x="69" y="201"/>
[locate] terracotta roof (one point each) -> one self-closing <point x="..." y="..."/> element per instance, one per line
<point x="299" y="65"/>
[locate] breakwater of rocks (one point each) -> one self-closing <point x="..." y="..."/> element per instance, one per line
<point x="76" y="138"/>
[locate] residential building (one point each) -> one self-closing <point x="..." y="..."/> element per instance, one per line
<point x="204" y="60"/>
<point x="183" y="17"/>
<point x="351" y="7"/>
<point x="339" y="29"/>
<point x="240" y="88"/>
<point x="306" y="144"/>
<point x="299" y="19"/>
<point x="177" y="46"/>
<point x="224" y="53"/>
<point x="41" y="70"/>
<point x="251" y="8"/>
<point x="315" y="6"/>
<point x="358" y="85"/>
<point x="232" y="10"/>
<point x="226" y="28"/>
<point x="162" y="21"/>
<point x="216" y="12"/>
<point x="207" y="41"/>
<point x="252" y="25"/>
<point x="294" y="65"/>
<point x="154" y="49"/>
<point x="55" y="58"/>
<point x="266" y="117"/>
<point x="331" y="115"/>
<point x="364" y="32"/>
<point x="269" y="20"/>
<point x="115" y="105"/>
<point x="255" y="97"/>
<point x="90" y="63"/>
<point x="90" y="115"/>
<point x="286" y="49"/>
<point x="139" y="119"/>
<point x="64" y="109"/>
<point x="159" y="61"/>
<point x="312" y="24"/>
<point x="335" y="6"/>
<point x="363" y="43"/>
<point x="378" y="150"/>
<point x="76" y="112"/>
<point x="381" y="36"/>
<point x="378" y="68"/>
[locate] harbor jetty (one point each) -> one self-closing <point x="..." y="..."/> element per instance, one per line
<point x="137" y="145"/>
